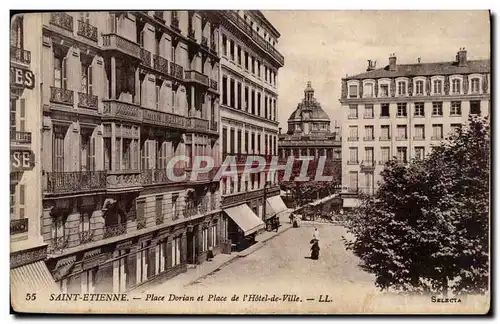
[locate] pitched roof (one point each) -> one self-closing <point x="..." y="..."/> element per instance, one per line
<point x="426" y="69"/>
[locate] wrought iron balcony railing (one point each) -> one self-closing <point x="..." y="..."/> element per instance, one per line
<point x="204" y="42"/>
<point x="62" y="96"/>
<point x="214" y="85"/>
<point x="59" y="243"/>
<point x="197" y="77"/>
<point x="214" y="125"/>
<point x="86" y="236"/>
<point x="114" y="230"/>
<point x="19" y="226"/>
<point x="141" y="223"/>
<point x="78" y="181"/>
<point x="161" y="176"/>
<point x="121" y="110"/>
<point x="160" y="64"/>
<point x="158" y="117"/>
<point x="20" y="55"/>
<point x="62" y="20"/>
<point x="197" y="123"/>
<point x="86" y="100"/>
<point x="87" y="30"/>
<point x="145" y="57"/>
<point x="20" y="137"/>
<point x="118" y="43"/>
<point x="176" y="71"/>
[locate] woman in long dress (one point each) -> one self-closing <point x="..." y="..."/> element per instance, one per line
<point x="315" y="250"/>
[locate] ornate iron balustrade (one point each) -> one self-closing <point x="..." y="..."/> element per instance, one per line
<point x="214" y="85"/>
<point x="122" y="110"/>
<point x="213" y="203"/>
<point x="197" y="77"/>
<point x="242" y="197"/>
<point x="86" y="236"/>
<point x="367" y="164"/>
<point x="62" y="20"/>
<point x="214" y="125"/>
<point x="157" y="176"/>
<point x="87" y="30"/>
<point x="145" y="57"/>
<point x="160" y="64"/>
<point x="63" y="96"/>
<point x="141" y="223"/>
<point x="114" y="230"/>
<point x="204" y="42"/>
<point x="118" y="43"/>
<point x="176" y="71"/>
<point x="59" y="243"/>
<point x="20" y="55"/>
<point x="86" y="100"/>
<point x="20" y="137"/>
<point x="196" y="123"/>
<point x="78" y="181"/>
<point x="190" y="211"/>
<point x="123" y="179"/>
<point x="162" y="118"/>
<point x="19" y="226"/>
<point x="175" y="24"/>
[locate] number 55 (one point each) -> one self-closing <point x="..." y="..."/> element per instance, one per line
<point x="31" y="296"/>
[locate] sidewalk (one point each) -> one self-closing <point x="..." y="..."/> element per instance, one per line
<point x="220" y="260"/>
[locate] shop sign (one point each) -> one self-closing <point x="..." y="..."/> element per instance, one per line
<point x="22" y="78"/>
<point x="22" y="160"/>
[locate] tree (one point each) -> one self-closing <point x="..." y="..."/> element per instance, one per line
<point x="427" y="227"/>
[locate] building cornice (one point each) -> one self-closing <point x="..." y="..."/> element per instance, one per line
<point x="414" y="99"/>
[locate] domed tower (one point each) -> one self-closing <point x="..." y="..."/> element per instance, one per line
<point x="309" y="117"/>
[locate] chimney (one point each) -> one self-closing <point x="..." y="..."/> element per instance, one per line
<point x="371" y="66"/>
<point x="392" y="62"/>
<point x="462" y="57"/>
<point x="418" y="60"/>
<point x="279" y="130"/>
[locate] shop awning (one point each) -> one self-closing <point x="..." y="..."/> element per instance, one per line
<point x="33" y="277"/>
<point x="245" y="218"/>
<point x="277" y="204"/>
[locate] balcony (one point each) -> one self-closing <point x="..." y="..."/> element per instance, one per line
<point x="418" y="138"/>
<point x="352" y="138"/>
<point x="114" y="230"/>
<point x="161" y="176"/>
<point x="141" y="223"/>
<point x="18" y="226"/>
<point x="61" y="96"/>
<point x="87" y="30"/>
<point x="242" y="197"/>
<point x="145" y="57"/>
<point x="123" y="180"/>
<point x="204" y="42"/>
<point x="120" y="110"/>
<point x="198" y="124"/>
<point x="367" y="165"/>
<point x="192" y="34"/>
<point x="158" y="117"/>
<point x="62" y="20"/>
<point x="114" y="42"/>
<point x="213" y="47"/>
<point x="20" y="137"/>
<point x="384" y="138"/>
<point x="351" y="162"/>
<point x="401" y="138"/>
<point x="214" y="126"/>
<point x="88" y="101"/>
<point x="160" y="64"/>
<point x="196" y="207"/>
<point x="77" y="181"/>
<point x="176" y="71"/>
<point x="193" y="76"/>
<point x="20" y="55"/>
<point x="369" y="138"/>
<point x="58" y="243"/>
<point x="86" y="236"/>
<point x="214" y="85"/>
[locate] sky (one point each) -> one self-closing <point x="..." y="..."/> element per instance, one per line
<point x="324" y="46"/>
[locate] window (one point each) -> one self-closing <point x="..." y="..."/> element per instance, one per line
<point x="369" y="133"/>
<point x="239" y="55"/>
<point x="204" y="240"/>
<point x="353" y="180"/>
<point x="384" y="154"/>
<point x="401" y="154"/>
<point x="58" y="228"/>
<point x="401" y="109"/>
<point x="60" y="73"/>
<point x="258" y="69"/>
<point x="384" y="90"/>
<point x="438" y="85"/>
<point x="231" y="50"/>
<point x="258" y="144"/>
<point x="437" y="131"/>
<point x="368" y="111"/>
<point x="353" y="133"/>
<point x="86" y="86"/>
<point x="231" y="93"/>
<point x="258" y="103"/>
<point x="353" y="91"/>
<point x="353" y="155"/>
<point x="384" y="132"/>
<point x="224" y="90"/>
<point x="224" y="140"/>
<point x="265" y="73"/>
<point x="232" y="146"/>
<point x="475" y="108"/>
<point x="245" y="98"/>
<point x="238" y="91"/>
<point x="58" y="149"/>
<point x="253" y="101"/>
<point x="239" y="141"/>
<point x="253" y="65"/>
<point x="176" y="251"/>
<point x="384" y="110"/>
<point x="265" y="106"/>
<point x="246" y="61"/>
<point x="13" y="114"/>
<point x="455" y="86"/>
<point x="419" y="132"/>
<point x="456" y="108"/>
<point x="419" y="109"/>
<point x="213" y="236"/>
<point x="353" y="111"/>
<point x="368" y="92"/>
<point x="368" y="154"/>
<point x="419" y="87"/>
<point x="401" y="88"/>
<point x="401" y="132"/>
<point x="224" y="45"/>
<point x="419" y="152"/>
<point x="474" y="85"/>
<point x="455" y="128"/>
<point x="175" y="206"/>
<point x="437" y="109"/>
<point x="157" y="97"/>
<point x="88" y="281"/>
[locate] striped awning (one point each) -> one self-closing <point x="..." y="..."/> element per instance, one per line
<point x="33" y="277"/>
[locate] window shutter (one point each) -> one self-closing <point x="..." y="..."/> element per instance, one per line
<point x="64" y="74"/>
<point x="168" y="253"/>
<point x="89" y="80"/>
<point x="92" y="155"/>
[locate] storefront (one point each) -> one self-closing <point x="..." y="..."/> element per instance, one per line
<point x="243" y="226"/>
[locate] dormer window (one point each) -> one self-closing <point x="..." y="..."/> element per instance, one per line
<point x="384" y="90"/>
<point x="353" y="91"/>
<point x="474" y="85"/>
<point x="401" y="88"/>
<point x="438" y="86"/>
<point x="419" y="87"/>
<point x="455" y="86"/>
<point x="368" y="90"/>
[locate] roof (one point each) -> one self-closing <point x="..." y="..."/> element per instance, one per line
<point x="266" y="22"/>
<point x="317" y="113"/>
<point x="425" y="69"/>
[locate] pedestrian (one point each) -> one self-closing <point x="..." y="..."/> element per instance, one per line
<point x="316" y="234"/>
<point x="315" y="249"/>
<point x="277" y="224"/>
<point x="210" y="254"/>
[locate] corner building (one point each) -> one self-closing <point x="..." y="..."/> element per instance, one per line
<point x="402" y="110"/>
<point x="121" y="94"/>
<point x="248" y="106"/>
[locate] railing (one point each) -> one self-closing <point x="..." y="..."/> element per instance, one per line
<point x="59" y="243"/>
<point x="18" y="226"/>
<point x="204" y="42"/>
<point x="214" y="125"/>
<point x="213" y="46"/>
<point x="123" y="179"/>
<point x="20" y="137"/>
<point x="214" y="85"/>
<point x="86" y="100"/>
<point x="242" y="197"/>
<point x="176" y="71"/>
<point x="196" y="123"/>
<point x="401" y="137"/>
<point x="157" y="176"/>
<point x="141" y="223"/>
<point x="63" y="96"/>
<point x="175" y="23"/>
<point x="191" y="34"/>
<point x="419" y="138"/>
<point x="162" y="118"/>
<point x="384" y="138"/>
<point x="87" y="30"/>
<point x="122" y="110"/>
<point x="145" y="57"/>
<point x="62" y="20"/>
<point x="160" y="64"/>
<point x="86" y="236"/>
<point x="114" y="230"/>
<point x="367" y="164"/>
<point x="116" y="42"/>
<point x="369" y="138"/>
<point x="195" y="76"/>
<point x="69" y="182"/>
<point x="352" y="138"/>
<point x="20" y="55"/>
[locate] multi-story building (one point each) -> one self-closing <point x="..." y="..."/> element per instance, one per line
<point x="402" y="110"/>
<point x="121" y="94"/>
<point x="309" y="133"/>
<point x="249" y="100"/>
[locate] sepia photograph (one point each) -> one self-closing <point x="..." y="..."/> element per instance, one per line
<point x="250" y="162"/>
